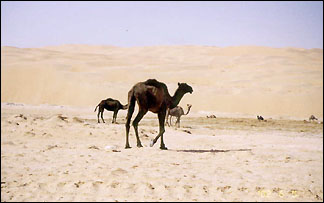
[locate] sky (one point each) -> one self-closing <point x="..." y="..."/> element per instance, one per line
<point x="212" y="23"/>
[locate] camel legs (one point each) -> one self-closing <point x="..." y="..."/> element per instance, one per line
<point x="100" y="111"/>
<point x="178" y="121"/>
<point x="115" y="116"/>
<point x="98" y="116"/>
<point x="167" y="117"/>
<point x="102" y="116"/>
<point x="129" y="116"/>
<point x="137" y="119"/>
<point x="161" y="116"/>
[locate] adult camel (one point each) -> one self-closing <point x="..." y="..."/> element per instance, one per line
<point x="312" y="117"/>
<point x="153" y="96"/>
<point x="110" y="105"/>
<point x="177" y="112"/>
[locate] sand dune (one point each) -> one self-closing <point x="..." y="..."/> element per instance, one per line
<point x="251" y="80"/>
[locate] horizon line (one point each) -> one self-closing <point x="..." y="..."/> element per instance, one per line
<point x="161" y="45"/>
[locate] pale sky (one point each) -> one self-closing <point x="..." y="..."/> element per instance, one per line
<point x="274" y="24"/>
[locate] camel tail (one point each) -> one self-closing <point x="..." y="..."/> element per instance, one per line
<point x="96" y="108"/>
<point x="131" y="101"/>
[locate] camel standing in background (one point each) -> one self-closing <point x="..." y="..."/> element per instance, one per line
<point x="260" y="118"/>
<point x="153" y="96"/>
<point x="177" y="112"/>
<point x="312" y="117"/>
<point x="110" y="105"/>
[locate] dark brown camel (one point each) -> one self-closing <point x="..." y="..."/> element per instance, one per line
<point x="312" y="117"/>
<point x="110" y="105"/>
<point x="260" y="118"/>
<point x="153" y="96"/>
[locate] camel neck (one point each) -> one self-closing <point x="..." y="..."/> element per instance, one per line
<point x="176" y="98"/>
<point x="188" y="110"/>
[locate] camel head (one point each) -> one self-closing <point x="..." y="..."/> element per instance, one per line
<point x="185" y="88"/>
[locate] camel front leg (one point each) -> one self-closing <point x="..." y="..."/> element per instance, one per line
<point x="178" y="122"/>
<point x="161" y="116"/>
<point x="167" y="117"/>
<point x="115" y="117"/>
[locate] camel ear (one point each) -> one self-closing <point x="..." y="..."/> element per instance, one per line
<point x="178" y="83"/>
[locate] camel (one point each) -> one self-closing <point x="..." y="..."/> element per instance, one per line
<point x="312" y="117"/>
<point x="177" y="112"/>
<point x="153" y="96"/>
<point x="110" y="105"/>
<point x="260" y="118"/>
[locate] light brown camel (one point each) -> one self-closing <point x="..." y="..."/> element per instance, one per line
<point x="177" y="112"/>
<point x="153" y="96"/>
<point x="110" y="105"/>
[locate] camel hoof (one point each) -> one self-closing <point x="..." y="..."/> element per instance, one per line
<point x="127" y="147"/>
<point x="164" y="148"/>
<point x="139" y="145"/>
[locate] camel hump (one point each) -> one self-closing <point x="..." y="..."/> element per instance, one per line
<point x="155" y="83"/>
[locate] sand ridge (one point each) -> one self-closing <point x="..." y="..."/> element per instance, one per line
<point x="248" y="79"/>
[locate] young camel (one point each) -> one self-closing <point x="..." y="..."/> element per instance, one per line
<point x="110" y="105"/>
<point x="177" y="112"/>
<point x="153" y="96"/>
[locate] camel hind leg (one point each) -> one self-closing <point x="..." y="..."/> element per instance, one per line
<point x="101" y="110"/>
<point x="131" y="107"/>
<point x="137" y="119"/>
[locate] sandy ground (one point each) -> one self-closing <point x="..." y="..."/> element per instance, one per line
<point x="60" y="153"/>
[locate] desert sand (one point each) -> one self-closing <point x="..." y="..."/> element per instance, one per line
<point x="285" y="82"/>
<point x="53" y="149"/>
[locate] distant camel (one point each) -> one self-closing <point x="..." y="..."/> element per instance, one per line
<point x="211" y="116"/>
<point x="177" y="112"/>
<point x="312" y="117"/>
<point x="260" y="118"/>
<point x="153" y="96"/>
<point x="110" y="105"/>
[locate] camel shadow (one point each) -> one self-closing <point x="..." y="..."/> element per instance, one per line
<point x="211" y="150"/>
